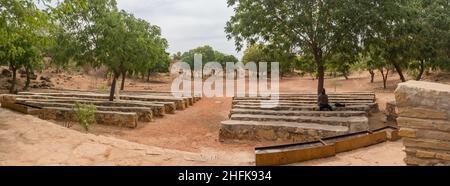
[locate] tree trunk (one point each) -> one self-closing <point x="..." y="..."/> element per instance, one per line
<point x="12" y="88"/>
<point x="320" y="70"/>
<point x="372" y="75"/>
<point x="399" y="71"/>
<point x="113" y="87"/>
<point x="148" y="75"/>
<point x="122" y="86"/>
<point x="422" y="69"/>
<point x="27" y="83"/>
<point x="345" y="76"/>
<point x="385" y="77"/>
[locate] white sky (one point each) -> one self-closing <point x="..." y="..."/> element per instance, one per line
<point x="186" y="24"/>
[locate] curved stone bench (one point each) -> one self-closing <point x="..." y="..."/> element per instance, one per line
<point x="354" y="123"/>
<point x="300" y="113"/>
<point x="126" y="119"/>
<point x="144" y="114"/>
<point x="276" y="131"/>
<point x="169" y="106"/>
<point x="158" y="109"/>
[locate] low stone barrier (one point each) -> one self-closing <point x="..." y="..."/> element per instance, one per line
<point x="353" y="124"/>
<point x="391" y="111"/>
<point x="304" y="108"/>
<point x="158" y="109"/>
<point x="144" y="114"/>
<point x="170" y="107"/>
<point x="125" y="119"/>
<point x="299" y="113"/>
<point x="179" y="102"/>
<point x="276" y="131"/>
<point x="424" y="121"/>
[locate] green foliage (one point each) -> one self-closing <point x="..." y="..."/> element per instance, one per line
<point x="85" y="115"/>
<point x="261" y="53"/>
<point x="307" y="65"/>
<point x="95" y="32"/>
<point x="311" y="27"/>
<point x="208" y="55"/>
<point x="23" y="35"/>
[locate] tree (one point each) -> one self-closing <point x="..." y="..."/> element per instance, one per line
<point x="373" y="59"/>
<point x="104" y="36"/>
<point x="388" y="30"/>
<point x="315" y="27"/>
<point x="429" y="28"/>
<point x="260" y="53"/>
<point x="23" y="36"/>
<point x="208" y="55"/>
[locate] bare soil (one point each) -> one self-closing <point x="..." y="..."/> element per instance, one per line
<point x="195" y="130"/>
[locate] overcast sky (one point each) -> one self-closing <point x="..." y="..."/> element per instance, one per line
<point x="186" y="24"/>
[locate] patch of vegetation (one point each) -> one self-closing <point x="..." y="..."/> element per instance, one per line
<point x="85" y="115"/>
<point x="103" y="88"/>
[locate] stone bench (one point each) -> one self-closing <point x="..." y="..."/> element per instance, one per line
<point x="159" y="108"/>
<point x="303" y="101"/>
<point x="303" y="108"/>
<point x="354" y="123"/>
<point x="276" y="131"/>
<point x="300" y="113"/>
<point x="192" y="98"/>
<point x="180" y="103"/>
<point x="305" y="98"/>
<point x="126" y="119"/>
<point x="144" y="114"/>
<point x="370" y="108"/>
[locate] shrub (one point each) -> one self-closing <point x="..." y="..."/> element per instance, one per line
<point x="85" y="115"/>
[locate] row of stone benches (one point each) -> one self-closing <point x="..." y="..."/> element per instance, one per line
<point x="180" y="103"/>
<point x="296" y="117"/>
<point x="125" y="112"/>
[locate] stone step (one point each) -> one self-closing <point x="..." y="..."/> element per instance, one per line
<point x="191" y="99"/>
<point x="299" y="113"/>
<point x="302" y="104"/>
<point x="277" y="131"/>
<point x="372" y="107"/>
<point x="305" y="98"/>
<point x="303" y="101"/>
<point x="122" y="91"/>
<point x="158" y="109"/>
<point x="125" y="119"/>
<point x="181" y="104"/>
<point x="329" y="93"/>
<point x="355" y="123"/>
<point x="144" y="114"/>
<point x="365" y="108"/>
<point x="170" y="107"/>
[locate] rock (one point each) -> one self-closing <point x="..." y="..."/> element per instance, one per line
<point x="426" y="95"/>
<point x="45" y="78"/>
<point x="404" y="132"/>
<point x="391" y="111"/>
<point x="33" y="76"/>
<point x="6" y="73"/>
<point x="439" y="125"/>
<point x="22" y="71"/>
<point x="424" y="113"/>
<point x="424" y="121"/>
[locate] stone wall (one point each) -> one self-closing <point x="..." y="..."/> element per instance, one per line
<point x="391" y="111"/>
<point x="424" y="121"/>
